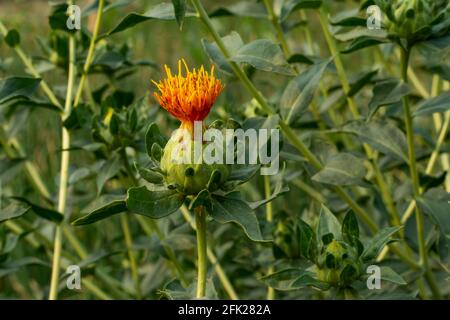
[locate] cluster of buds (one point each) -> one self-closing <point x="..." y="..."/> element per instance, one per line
<point x="338" y="264"/>
<point x="414" y="19"/>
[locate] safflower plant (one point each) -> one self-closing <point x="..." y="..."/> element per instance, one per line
<point x="174" y="177"/>
<point x="99" y="163"/>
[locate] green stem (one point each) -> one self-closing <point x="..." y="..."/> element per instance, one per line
<point x="200" y="223"/>
<point x="90" y="55"/>
<point x="228" y="287"/>
<point x="64" y="172"/>
<point x="269" y="218"/>
<point x="276" y="24"/>
<point x="131" y="257"/>
<point x="126" y="229"/>
<point x="405" y="56"/>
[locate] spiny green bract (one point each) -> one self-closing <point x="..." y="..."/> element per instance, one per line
<point x="188" y="177"/>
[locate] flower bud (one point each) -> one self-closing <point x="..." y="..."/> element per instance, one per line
<point x="182" y="171"/>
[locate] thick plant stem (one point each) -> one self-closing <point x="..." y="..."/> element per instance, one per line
<point x="228" y="287"/>
<point x="200" y="224"/>
<point x="415" y="178"/>
<point x="90" y="53"/>
<point x="64" y="172"/>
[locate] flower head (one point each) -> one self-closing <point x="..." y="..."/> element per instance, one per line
<point x="188" y="97"/>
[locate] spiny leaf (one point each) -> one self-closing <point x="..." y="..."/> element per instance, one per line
<point x="264" y="55"/>
<point x="300" y="91"/>
<point x="377" y="243"/>
<point x="342" y="169"/>
<point x="226" y="209"/>
<point x="441" y="103"/>
<point x="382" y="136"/>
<point x="153" y="204"/>
<point x="104" y="212"/>
<point x="45" y="213"/>
<point x="162" y="11"/>
<point x="241" y="9"/>
<point x="15" y="87"/>
<point x="179" y="7"/>
<point x="328" y="224"/>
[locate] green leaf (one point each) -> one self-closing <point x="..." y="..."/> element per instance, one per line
<point x="233" y="42"/>
<point x="290" y="6"/>
<point x="361" y="43"/>
<point x="377" y="243"/>
<point x="249" y="9"/>
<point x="17" y="87"/>
<point x="162" y="11"/>
<point x="441" y="103"/>
<point x="279" y="190"/>
<point x="12" y="38"/>
<point x="328" y="223"/>
<point x="300" y="91"/>
<point x="42" y="212"/>
<point x="301" y="58"/>
<point x="348" y="274"/>
<point x="35" y="104"/>
<point x="179" y="7"/>
<point x="438" y="212"/>
<point x="348" y="18"/>
<point x="342" y="169"/>
<point x="362" y="81"/>
<point x="201" y="199"/>
<point x="390" y="275"/>
<point x="226" y="209"/>
<point x="386" y="93"/>
<point x="282" y="280"/>
<point x="110" y="59"/>
<point x="149" y="175"/>
<point x="101" y="213"/>
<point x="9" y="168"/>
<point x="350" y="228"/>
<point x="307" y="241"/>
<point x="19" y="264"/>
<point x="306" y="280"/>
<point x="13" y="211"/>
<point x="153" y="204"/>
<point x="153" y="136"/>
<point x="108" y="170"/>
<point x="58" y="18"/>
<point x="382" y="136"/>
<point x="264" y="55"/>
<point x="78" y="118"/>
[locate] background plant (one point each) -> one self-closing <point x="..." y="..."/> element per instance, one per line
<point x="341" y="94"/>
